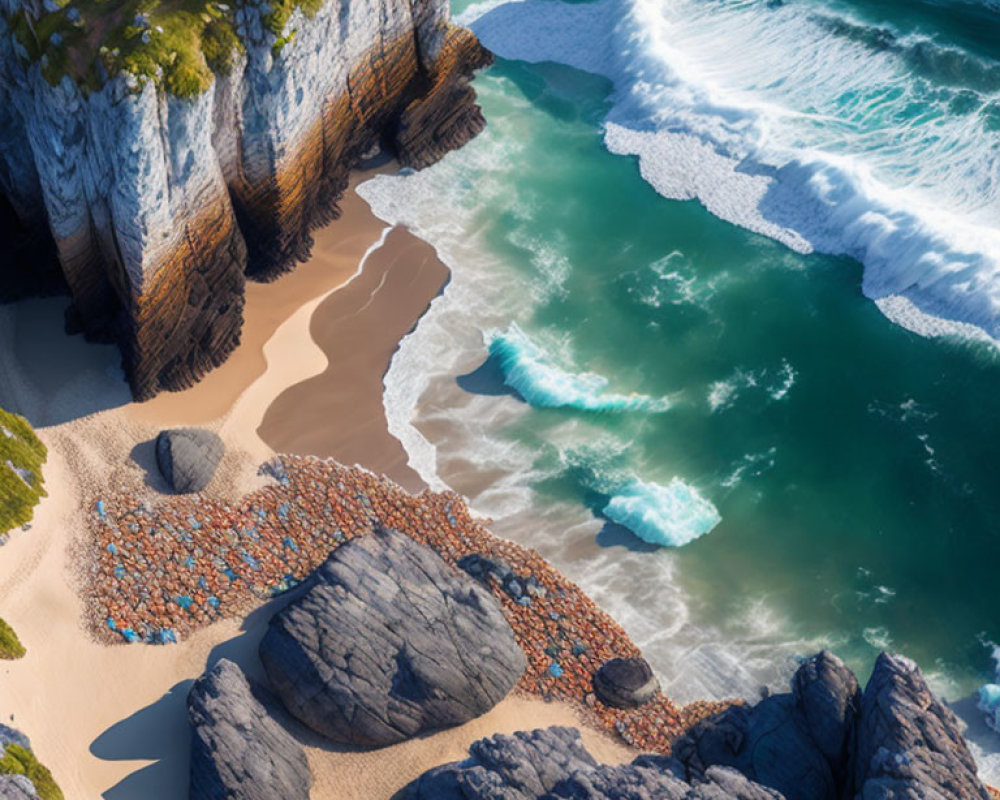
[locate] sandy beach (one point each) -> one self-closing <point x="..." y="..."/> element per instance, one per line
<point x="110" y="721"/>
<point x="339" y="413"/>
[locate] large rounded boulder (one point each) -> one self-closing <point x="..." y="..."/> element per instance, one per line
<point x="389" y="642"/>
<point x="625" y="683"/>
<point x="188" y="458"/>
<point x="238" y="752"/>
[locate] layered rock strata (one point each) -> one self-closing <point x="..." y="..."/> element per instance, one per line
<point x="156" y="206"/>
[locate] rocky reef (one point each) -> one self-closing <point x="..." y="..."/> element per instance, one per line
<point x="148" y="178"/>
<point x="825" y="740"/>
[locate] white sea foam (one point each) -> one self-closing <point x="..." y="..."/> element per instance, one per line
<point x="541" y="382"/>
<point x="671" y="515"/>
<point x="776" y="383"/>
<point x="776" y="121"/>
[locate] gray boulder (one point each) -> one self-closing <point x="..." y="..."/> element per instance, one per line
<point x="188" y="458"/>
<point x="238" y="752"/>
<point x="390" y="642"/>
<point x="796" y="743"/>
<point x="625" y="683"/>
<point x="909" y="745"/>
<point x="552" y="763"/>
<point x="17" y="787"/>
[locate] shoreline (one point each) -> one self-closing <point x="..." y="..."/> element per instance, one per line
<point x="100" y="729"/>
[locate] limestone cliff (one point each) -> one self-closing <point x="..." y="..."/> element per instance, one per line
<point x="151" y="204"/>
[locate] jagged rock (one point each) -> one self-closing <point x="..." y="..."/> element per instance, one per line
<point x="909" y="745"/>
<point x="795" y="743"/>
<point x="237" y="751"/>
<point x="17" y="787"/>
<point x="188" y="458"/>
<point x="391" y="641"/>
<point x="625" y="683"/>
<point x="553" y="763"/>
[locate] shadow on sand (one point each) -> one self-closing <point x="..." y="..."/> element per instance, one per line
<point x="160" y="732"/>
<point x="50" y="377"/>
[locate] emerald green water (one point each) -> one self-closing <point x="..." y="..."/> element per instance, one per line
<point x="852" y="462"/>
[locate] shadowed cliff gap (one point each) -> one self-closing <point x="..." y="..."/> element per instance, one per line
<point x="157" y="206"/>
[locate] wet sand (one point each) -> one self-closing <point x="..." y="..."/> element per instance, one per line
<point x="340" y="413"/>
<point x="338" y="250"/>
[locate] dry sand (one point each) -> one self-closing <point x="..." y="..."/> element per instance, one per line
<point x="110" y="721"/>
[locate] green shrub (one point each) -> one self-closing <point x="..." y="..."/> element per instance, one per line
<point x="21" y="457"/>
<point x="18" y="761"/>
<point x="10" y="646"/>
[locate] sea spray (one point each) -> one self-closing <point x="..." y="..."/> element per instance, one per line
<point x="535" y="376"/>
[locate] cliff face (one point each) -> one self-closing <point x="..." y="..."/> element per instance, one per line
<point x="151" y="208"/>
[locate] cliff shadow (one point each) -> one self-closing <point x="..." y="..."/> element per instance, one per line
<point x="50" y="377"/>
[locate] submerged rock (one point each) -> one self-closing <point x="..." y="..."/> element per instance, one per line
<point x="625" y="683"/>
<point x="553" y="763"/>
<point x="909" y="745"/>
<point x="237" y="751"/>
<point x="188" y="458"/>
<point x="390" y="642"/>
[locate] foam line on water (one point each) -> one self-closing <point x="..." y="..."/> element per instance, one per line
<point x="530" y="371"/>
<point x="799" y="132"/>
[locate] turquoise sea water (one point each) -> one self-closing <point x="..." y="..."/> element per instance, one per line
<point x="612" y="369"/>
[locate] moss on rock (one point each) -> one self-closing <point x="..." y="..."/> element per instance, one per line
<point x="21" y="457"/>
<point x="18" y="761"/>
<point x="178" y="44"/>
<point x="11" y="648"/>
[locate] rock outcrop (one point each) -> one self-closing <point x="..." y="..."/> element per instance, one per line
<point x="150" y="207"/>
<point x="553" y="763"/>
<point x="237" y="751"/>
<point x="625" y="683"/>
<point x="827" y="741"/>
<point x="17" y="787"/>
<point x="188" y="457"/>
<point x="389" y="642"/>
<point x="909" y="746"/>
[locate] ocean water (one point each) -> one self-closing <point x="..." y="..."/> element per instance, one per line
<point x="720" y="337"/>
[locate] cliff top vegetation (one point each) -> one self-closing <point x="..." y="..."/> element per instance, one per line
<point x="177" y="44"/>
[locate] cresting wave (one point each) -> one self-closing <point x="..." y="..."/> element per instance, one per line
<point x="532" y="373"/>
<point x="802" y="128"/>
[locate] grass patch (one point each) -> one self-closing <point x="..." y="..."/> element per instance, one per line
<point x="21" y="457"/>
<point x="18" y="761"/>
<point x="11" y="648"/>
<point x="177" y="44"/>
